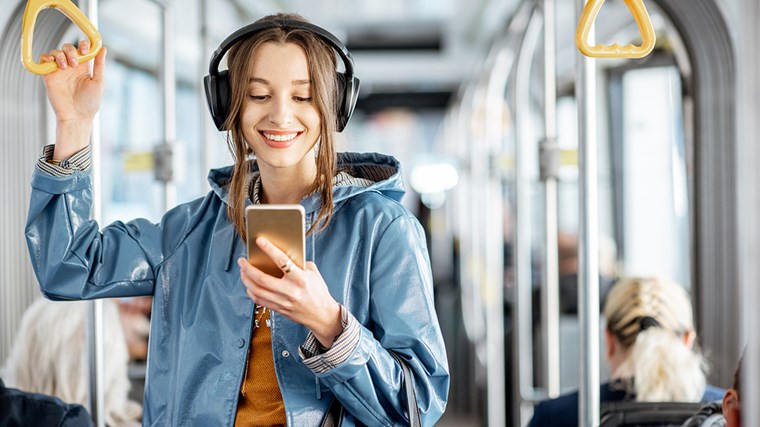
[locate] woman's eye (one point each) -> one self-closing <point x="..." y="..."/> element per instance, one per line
<point x="302" y="98"/>
<point x="258" y="97"/>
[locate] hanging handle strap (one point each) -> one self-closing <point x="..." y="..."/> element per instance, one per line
<point x="33" y="9"/>
<point x="615" y="50"/>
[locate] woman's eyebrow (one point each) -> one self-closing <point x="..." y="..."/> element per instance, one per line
<point x="266" y="82"/>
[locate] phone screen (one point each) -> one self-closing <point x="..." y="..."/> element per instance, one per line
<point x="283" y="225"/>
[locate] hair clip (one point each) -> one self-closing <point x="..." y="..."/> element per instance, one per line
<point x="647" y="322"/>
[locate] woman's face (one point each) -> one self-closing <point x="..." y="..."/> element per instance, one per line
<point x="280" y="121"/>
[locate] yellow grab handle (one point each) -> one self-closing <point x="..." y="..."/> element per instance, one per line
<point x="33" y="9"/>
<point x="615" y="51"/>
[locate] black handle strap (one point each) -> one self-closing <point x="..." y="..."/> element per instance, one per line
<point x="334" y="417"/>
<point x="411" y="397"/>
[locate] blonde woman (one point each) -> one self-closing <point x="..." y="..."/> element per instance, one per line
<point x="650" y="349"/>
<point x="49" y="357"/>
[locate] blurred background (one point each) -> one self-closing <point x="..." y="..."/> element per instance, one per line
<point x="485" y="117"/>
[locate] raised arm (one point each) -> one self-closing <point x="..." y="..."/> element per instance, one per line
<point x="75" y="94"/>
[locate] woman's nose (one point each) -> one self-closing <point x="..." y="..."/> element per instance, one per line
<point x="280" y="112"/>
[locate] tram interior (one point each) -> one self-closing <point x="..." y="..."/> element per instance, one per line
<point x="456" y="91"/>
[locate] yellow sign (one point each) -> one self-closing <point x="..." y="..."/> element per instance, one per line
<point x="138" y="161"/>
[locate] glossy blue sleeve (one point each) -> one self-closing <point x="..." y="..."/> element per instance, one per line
<point x="71" y="256"/>
<point x="369" y="382"/>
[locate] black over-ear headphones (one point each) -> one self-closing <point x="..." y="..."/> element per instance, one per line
<point x="217" y="83"/>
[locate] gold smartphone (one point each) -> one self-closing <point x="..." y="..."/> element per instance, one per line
<point x="283" y="225"/>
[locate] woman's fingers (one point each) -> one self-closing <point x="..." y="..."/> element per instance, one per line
<point x="84" y="47"/>
<point x="276" y="255"/>
<point x="282" y="292"/>
<point x="99" y="69"/>
<point x="252" y="276"/>
<point x="71" y="54"/>
<point x="59" y="58"/>
<point x="258" y="284"/>
<point x="68" y="55"/>
<point x="46" y="57"/>
<point x="65" y="56"/>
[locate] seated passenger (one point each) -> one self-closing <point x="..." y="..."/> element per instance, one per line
<point x="650" y="348"/>
<point x="20" y="408"/>
<point x="725" y="413"/>
<point x="49" y="356"/>
<point x="731" y="402"/>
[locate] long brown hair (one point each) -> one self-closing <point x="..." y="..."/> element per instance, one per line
<point x="325" y="96"/>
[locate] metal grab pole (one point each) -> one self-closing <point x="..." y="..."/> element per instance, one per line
<point x="549" y="169"/>
<point x="496" y="84"/>
<point x="95" y="348"/>
<point x="164" y="154"/>
<point x="208" y="131"/>
<point x="94" y="323"/>
<point x="748" y="206"/>
<point x="588" y="268"/>
<point x="523" y="184"/>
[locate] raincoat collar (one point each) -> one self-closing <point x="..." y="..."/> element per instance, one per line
<point x="383" y="171"/>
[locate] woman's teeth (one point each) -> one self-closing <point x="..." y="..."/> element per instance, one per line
<point x="280" y="138"/>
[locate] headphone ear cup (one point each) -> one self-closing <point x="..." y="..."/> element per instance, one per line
<point x="218" y="97"/>
<point x="349" y="93"/>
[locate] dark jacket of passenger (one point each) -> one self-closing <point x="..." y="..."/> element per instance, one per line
<point x="20" y="408"/>
<point x="710" y="415"/>
<point x="563" y="411"/>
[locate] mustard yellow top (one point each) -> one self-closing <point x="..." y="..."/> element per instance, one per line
<point x="260" y="402"/>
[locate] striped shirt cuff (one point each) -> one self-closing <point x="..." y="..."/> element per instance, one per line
<point x="77" y="162"/>
<point x="321" y="360"/>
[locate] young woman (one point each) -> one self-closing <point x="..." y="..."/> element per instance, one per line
<point x="650" y="348"/>
<point x="229" y="344"/>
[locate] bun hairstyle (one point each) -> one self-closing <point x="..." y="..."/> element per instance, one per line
<point x="650" y="317"/>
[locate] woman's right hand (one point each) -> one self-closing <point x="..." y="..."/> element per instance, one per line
<point x="74" y="94"/>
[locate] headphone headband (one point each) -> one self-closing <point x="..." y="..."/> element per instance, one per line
<point x="217" y="83"/>
<point x="254" y="28"/>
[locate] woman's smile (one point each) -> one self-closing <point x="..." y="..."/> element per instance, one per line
<point x="280" y="139"/>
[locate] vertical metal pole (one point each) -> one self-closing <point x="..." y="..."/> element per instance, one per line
<point x="95" y="347"/>
<point x="94" y="324"/>
<point x="523" y="223"/>
<point x="549" y="165"/>
<point x="169" y="88"/>
<point x="207" y="129"/>
<point x="747" y="156"/>
<point x="494" y="191"/>
<point x="588" y="271"/>
<point x="495" y="303"/>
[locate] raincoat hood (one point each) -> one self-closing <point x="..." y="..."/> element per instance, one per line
<point x="384" y="173"/>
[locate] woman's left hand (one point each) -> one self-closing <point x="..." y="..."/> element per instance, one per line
<point x="301" y="295"/>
